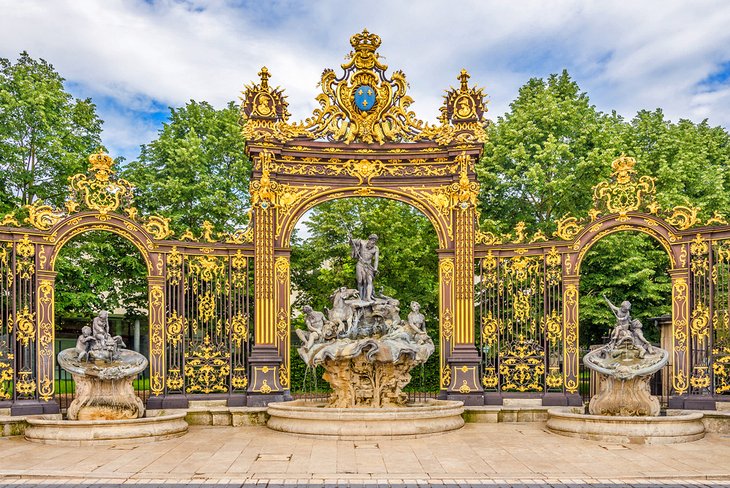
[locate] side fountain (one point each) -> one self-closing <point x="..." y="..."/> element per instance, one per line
<point x="106" y="408"/>
<point x="624" y="411"/>
<point x="367" y="352"/>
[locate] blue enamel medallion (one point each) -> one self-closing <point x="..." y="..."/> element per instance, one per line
<point x="364" y="97"/>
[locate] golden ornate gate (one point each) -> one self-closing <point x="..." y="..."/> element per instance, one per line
<point x="219" y="310"/>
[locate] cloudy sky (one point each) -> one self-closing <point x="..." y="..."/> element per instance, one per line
<point x="136" y="58"/>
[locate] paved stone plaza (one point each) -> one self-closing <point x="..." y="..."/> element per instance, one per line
<point x="506" y="454"/>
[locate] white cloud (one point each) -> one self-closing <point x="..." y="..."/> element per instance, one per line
<point x="627" y="55"/>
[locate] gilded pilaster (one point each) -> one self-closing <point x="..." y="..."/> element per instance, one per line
<point x="570" y="333"/>
<point x="680" y="332"/>
<point x="156" y="289"/>
<point x="283" y="314"/>
<point x="46" y="334"/>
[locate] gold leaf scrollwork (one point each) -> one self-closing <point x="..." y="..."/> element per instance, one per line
<point x="159" y="227"/>
<point x="239" y="379"/>
<point x="176" y="328"/>
<point x="42" y="217"/>
<point x="23" y="323"/>
<point x="683" y="217"/>
<point x="207" y="367"/>
<point x="568" y="228"/>
<point x="239" y="329"/>
<point x="175" y="381"/>
<point x="6" y="371"/>
<point x="445" y="376"/>
<point x="522" y="366"/>
<point x="700" y="323"/>
<point x="490" y="327"/>
<point x="552" y="324"/>
<point x="490" y="380"/>
<point x="700" y="378"/>
<point x="25" y="384"/>
<point x="25" y="251"/>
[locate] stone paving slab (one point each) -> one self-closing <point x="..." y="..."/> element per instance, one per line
<point x="520" y="455"/>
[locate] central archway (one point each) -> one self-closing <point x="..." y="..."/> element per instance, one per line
<point x="408" y="269"/>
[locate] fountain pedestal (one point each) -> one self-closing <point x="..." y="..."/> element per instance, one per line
<point x="104" y="390"/>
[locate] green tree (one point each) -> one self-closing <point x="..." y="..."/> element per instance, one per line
<point x="195" y="170"/>
<point x="100" y="271"/>
<point x="623" y="266"/>
<point x="45" y="134"/>
<point x="408" y="268"/>
<point x="543" y="156"/>
<point x="690" y="161"/>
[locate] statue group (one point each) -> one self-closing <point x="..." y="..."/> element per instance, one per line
<point x="365" y="346"/>
<point x="624" y="366"/>
<point x="96" y="343"/>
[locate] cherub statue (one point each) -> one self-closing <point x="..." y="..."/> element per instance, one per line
<point x="84" y="343"/>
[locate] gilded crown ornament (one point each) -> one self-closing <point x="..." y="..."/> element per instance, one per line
<point x="364" y="105"/>
<point x="625" y="192"/>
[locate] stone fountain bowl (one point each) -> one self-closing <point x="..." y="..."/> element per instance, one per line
<point x="129" y="363"/>
<point x="415" y="420"/>
<point x="152" y="428"/>
<point x="624" y="366"/>
<point x="674" y="429"/>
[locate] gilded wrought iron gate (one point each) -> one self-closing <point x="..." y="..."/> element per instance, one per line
<point x="527" y="290"/>
<point x="219" y="304"/>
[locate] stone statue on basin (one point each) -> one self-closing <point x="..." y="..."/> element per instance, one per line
<point x="365" y="347"/>
<point x="103" y="371"/>
<point x="625" y="366"/>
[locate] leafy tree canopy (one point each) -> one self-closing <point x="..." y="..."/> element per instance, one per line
<point x="45" y="134"/>
<point x="100" y="271"/>
<point x="195" y="170"/>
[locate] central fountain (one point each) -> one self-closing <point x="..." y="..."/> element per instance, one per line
<point x="367" y="351"/>
<point x="624" y="411"/>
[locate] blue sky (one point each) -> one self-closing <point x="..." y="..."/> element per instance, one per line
<point x="136" y="58"/>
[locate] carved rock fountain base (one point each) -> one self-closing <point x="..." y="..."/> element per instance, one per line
<point x="626" y="398"/>
<point x="98" y="399"/>
<point x="628" y="430"/>
<point x="307" y="418"/>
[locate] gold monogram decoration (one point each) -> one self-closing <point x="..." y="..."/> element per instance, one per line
<point x="462" y="116"/>
<point x="625" y="192"/>
<point x="99" y="192"/>
<point x="265" y="114"/>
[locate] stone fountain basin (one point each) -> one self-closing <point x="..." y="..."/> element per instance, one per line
<point x="417" y="419"/>
<point x="129" y="363"/>
<point x="103" y="432"/>
<point x="674" y="429"/>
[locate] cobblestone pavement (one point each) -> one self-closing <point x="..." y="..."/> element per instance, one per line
<point x="396" y="483"/>
<point x="506" y="454"/>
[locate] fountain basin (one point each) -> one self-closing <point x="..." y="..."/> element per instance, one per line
<point x="307" y="418"/>
<point x="101" y="432"/>
<point x="675" y="429"/>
